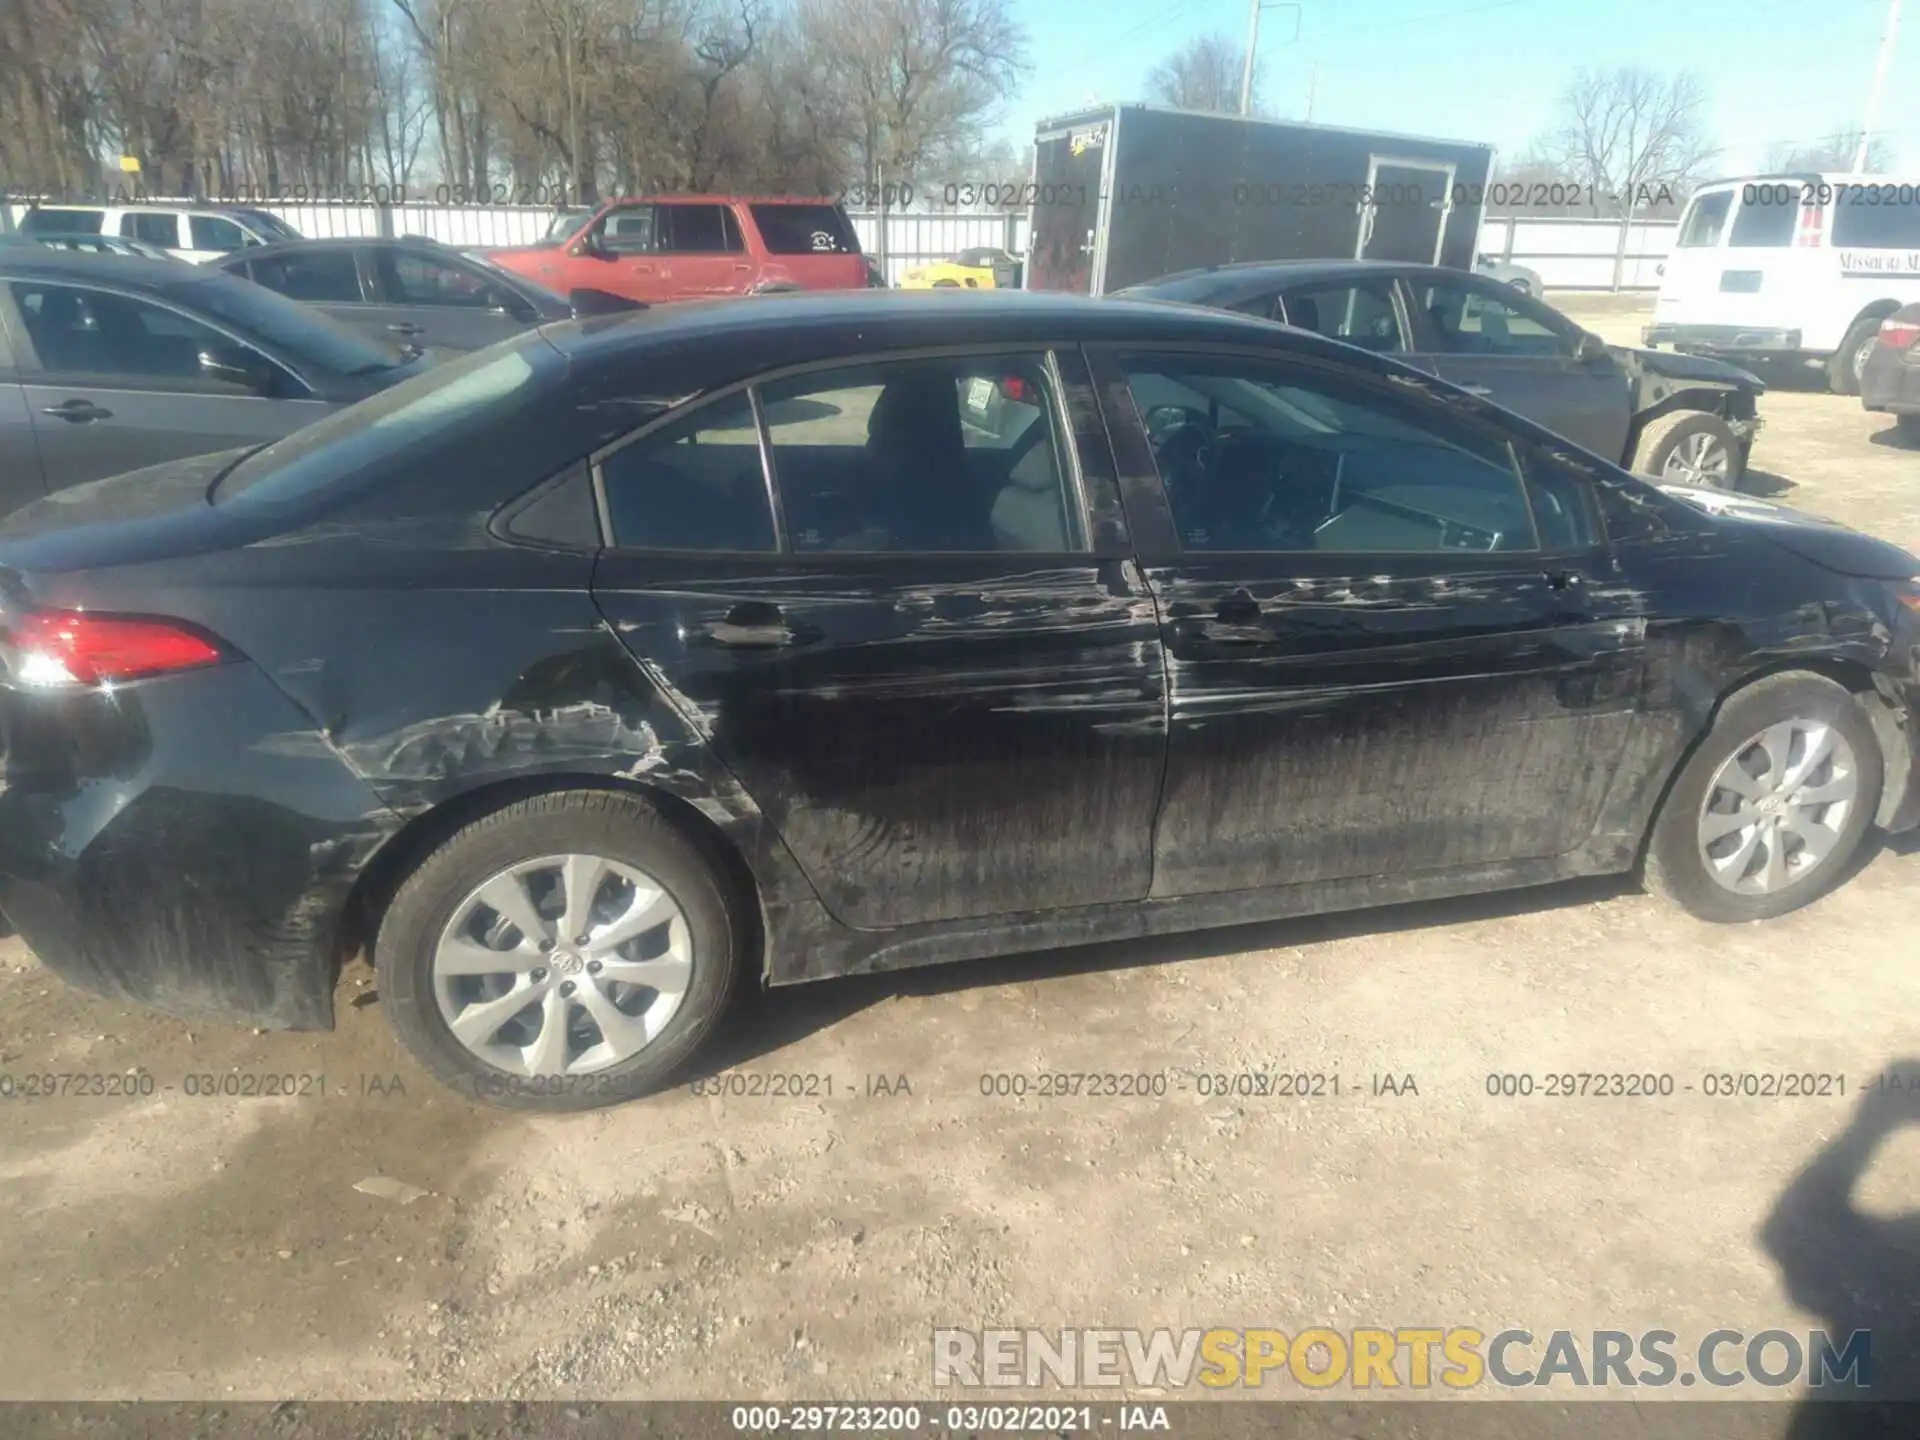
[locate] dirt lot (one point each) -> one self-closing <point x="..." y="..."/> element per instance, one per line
<point x="181" y="1246"/>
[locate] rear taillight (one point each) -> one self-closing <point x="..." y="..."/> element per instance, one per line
<point x="65" y="648"/>
<point x="1900" y="334"/>
<point x="1812" y="221"/>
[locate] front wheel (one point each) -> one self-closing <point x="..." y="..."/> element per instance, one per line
<point x="1765" y="815"/>
<point x="566" y="952"/>
<point x="1691" y="447"/>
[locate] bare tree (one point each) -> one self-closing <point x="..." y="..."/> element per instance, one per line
<point x="1835" y="153"/>
<point x="1626" y="134"/>
<point x="1204" y="76"/>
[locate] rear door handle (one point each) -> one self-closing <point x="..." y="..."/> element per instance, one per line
<point x="754" y="625"/>
<point x="407" y="327"/>
<point x="78" y="412"/>
<point x="1236" y="620"/>
<point x="1566" y="591"/>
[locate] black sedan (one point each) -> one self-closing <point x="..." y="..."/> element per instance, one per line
<point x="1890" y="379"/>
<point x="412" y="291"/>
<point x="109" y="362"/>
<point x="591" y="675"/>
<point x="1683" y="419"/>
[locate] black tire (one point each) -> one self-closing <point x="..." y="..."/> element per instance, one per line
<point x="1675" y="867"/>
<point x="620" y="827"/>
<point x="1666" y="435"/>
<point x="1909" y="427"/>
<point x="1845" y="364"/>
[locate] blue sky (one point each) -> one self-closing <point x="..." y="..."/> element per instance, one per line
<point x="1491" y="70"/>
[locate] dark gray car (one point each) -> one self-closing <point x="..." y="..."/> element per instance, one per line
<point x="109" y="363"/>
<point x="411" y="291"/>
<point x="1683" y="419"/>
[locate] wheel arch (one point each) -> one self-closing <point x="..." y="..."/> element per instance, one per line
<point x="1852" y="676"/>
<point x="403" y="851"/>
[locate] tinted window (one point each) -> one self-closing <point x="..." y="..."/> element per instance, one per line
<point x="697" y="229"/>
<point x="1261" y="457"/>
<point x="923" y="456"/>
<point x="1358" y="314"/>
<point x="1891" y="224"/>
<point x="305" y="335"/>
<point x="814" y="230"/>
<point x="1562" y="508"/>
<point x="76" y="330"/>
<point x="62" y="222"/>
<point x="1469" y="320"/>
<point x="397" y="427"/>
<point x="1264" y="306"/>
<point x="212" y="232"/>
<point x="315" y="276"/>
<point x="697" y="484"/>
<point x="162" y="230"/>
<point x="1765" y="226"/>
<point x="417" y="279"/>
<point x="271" y="226"/>
<point x="1706" y="218"/>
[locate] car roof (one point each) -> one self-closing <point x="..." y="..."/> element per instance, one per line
<point x="803" y="326"/>
<point x="381" y="242"/>
<point x="1252" y="275"/>
<point x="129" y="272"/>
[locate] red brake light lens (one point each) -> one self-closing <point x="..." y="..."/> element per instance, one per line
<point x="71" y="647"/>
<point x="1901" y="334"/>
<point x="1015" y="388"/>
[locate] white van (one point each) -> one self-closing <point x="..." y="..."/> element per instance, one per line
<point x="185" y="232"/>
<point x="1798" y="268"/>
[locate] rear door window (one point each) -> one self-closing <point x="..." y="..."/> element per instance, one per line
<point x="319" y="276"/>
<point x="156" y="229"/>
<point x="695" y="485"/>
<point x="812" y="230"/>
<point x="1361" y="314"/>
<point x="698" y="230"/>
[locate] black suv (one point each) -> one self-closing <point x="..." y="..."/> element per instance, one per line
<point x="1679" y="418"/>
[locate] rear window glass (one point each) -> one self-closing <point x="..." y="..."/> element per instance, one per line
<point x="1763" y="225"/>
<point x="1876" y="217"/>
<point x="62" y="222"/>
<point x="1706" y="220"/>
<point x="397" y="426"/>
<point x="805" y="230"/>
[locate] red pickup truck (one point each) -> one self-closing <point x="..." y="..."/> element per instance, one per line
<point x="683" y="247"/>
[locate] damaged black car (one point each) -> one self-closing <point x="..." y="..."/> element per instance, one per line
<point x="1680" y="418"/>
<point x="594" y="675"/>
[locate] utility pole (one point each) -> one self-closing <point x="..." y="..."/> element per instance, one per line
<point x="1253" y="43"/>
<point x="1879" y="81"/>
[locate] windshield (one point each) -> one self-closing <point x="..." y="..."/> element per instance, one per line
<point x="303" y="333"/>
<point x="394" y="427"/>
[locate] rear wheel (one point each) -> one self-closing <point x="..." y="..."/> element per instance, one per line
<point x="1691" y="447"/>
<point x="1845" y="365"/>
<point x="1772" y="805"/>
<point x="563" y="953"/>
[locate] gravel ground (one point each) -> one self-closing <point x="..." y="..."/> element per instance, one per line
<point x="178" y="1246"/>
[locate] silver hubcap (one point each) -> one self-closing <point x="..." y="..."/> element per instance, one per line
<point x="1775" y="809"/>
<point x="562" y="965"/>
<point x="1861" y="355"/>
<point x="1699" y="459"/>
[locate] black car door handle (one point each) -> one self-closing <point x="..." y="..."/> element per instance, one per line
<point x="755" y="626"/>
<point x="1236" y="621"/>
<point x="407" y="327"/>
<point x="78" y="412"/>
<point x="1566" y="591"/>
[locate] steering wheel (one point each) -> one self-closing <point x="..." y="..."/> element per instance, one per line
<point x="1183" y="446"/>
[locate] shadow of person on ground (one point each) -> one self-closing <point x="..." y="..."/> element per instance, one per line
<point x="1855" y="1271"/>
